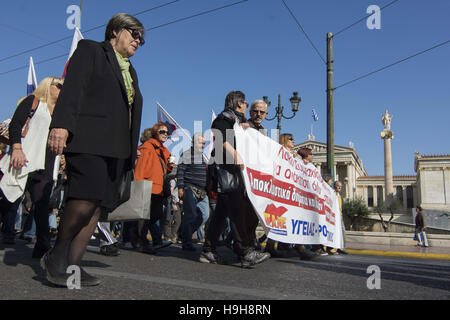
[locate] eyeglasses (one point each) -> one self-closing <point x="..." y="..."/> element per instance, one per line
<point x="58" y="85"/>
<point x="291" y="139"/>
<point x="135" y="34"/>
<point x="258" y="111"/>
<point x="163" y="132"/>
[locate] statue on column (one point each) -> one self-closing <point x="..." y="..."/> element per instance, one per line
<point x="387" y="135"/>
<point x="386" y="120"/>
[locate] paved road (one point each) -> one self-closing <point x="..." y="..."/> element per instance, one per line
<point x="177" y="275"/>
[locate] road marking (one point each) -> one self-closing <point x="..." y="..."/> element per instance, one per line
<point x="262" y="293"/>
<point x="417" y="255"/>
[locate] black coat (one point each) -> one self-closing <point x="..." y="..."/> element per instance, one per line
<point x="93" y="104"/>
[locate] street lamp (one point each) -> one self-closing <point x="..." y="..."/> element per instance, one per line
<point x="295" y="102"/>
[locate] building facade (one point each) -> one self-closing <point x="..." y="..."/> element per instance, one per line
<point x="430" y="188"/>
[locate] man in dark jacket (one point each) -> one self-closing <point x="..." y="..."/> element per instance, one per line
<point x="230" y="203"/>
<point x="191" y="176"/>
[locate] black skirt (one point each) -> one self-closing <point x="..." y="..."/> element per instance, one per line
<point x="93" y="177"/>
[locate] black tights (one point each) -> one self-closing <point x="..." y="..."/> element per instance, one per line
<point x="76" y="228"/>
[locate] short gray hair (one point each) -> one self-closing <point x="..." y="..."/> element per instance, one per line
<point x="254" y="103"/>
<point x="122" y="21"/>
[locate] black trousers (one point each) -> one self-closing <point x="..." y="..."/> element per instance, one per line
<point x="251" y="221"/>
<point x="40" y="191"/>
<point x="233" y="206"/>
<point x="156" y="215"/>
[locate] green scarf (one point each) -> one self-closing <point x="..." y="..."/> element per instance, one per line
<point x="124" y="64"/>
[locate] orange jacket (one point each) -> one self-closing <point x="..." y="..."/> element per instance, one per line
<point x="148" y="166"/>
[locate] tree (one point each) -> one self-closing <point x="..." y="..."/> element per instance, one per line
<point x="354" y="210"/>
<point x="382" y="207"/>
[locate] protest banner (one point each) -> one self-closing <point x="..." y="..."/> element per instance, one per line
<point x="292" y="200"/>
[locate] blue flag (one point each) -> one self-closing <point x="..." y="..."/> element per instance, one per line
<point x="314" y="115"/>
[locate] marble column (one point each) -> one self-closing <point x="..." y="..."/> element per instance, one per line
<point x="405" y="204"/>
<point x="350" y="180"/>
<point x="375" y="196"/>
<point x="387" y="135"/>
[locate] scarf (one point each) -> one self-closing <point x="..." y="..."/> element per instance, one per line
<point x="239" y="115"/>
<point x="124" y="64"/>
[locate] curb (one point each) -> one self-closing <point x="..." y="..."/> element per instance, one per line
<point x="416" y="255"/>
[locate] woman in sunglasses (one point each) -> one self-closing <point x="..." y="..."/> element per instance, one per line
<point x="29" y="164"/>
<point x="152" y="165"/>
<point x="96" y="123"/>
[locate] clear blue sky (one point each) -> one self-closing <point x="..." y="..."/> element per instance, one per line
<point x="258" y="48"/>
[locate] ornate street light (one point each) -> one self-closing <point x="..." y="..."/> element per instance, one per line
<point x="295" y="102"/>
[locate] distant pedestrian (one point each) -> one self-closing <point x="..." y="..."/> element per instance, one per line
<point x="420" y="234"/>
<point x="338" y="189"/>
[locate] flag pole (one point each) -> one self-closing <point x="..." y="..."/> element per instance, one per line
<point x="182" y="129"/>
<point x="81" y="11"/>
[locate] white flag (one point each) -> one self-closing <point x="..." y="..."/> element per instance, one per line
<point x="211" y="136"/>
<point x="31" y="81"/>
<point x="77" y="36"/>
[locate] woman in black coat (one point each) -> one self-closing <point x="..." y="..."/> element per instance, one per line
<point x="97" y="125"/>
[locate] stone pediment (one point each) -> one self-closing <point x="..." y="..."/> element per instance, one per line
<point x="343" y="154"/>
<point x="320" y="147"/>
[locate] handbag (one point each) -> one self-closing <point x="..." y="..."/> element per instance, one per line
<point x="200" y="194"/>
<point x="166" y="178"/>
<point x="4" y="131"/>
<point x="424" y="238"/>
<point x="4" y="126"/>
<point x="125" y="187"/>
<point x="138" y="205"/>
<point x="226" y="181"/>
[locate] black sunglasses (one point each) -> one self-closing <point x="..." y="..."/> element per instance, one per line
<point x="258" y="111"/>
<point x="58" y="85"/>
<point x="163" y="132"/>
<point x="136" y="35"/>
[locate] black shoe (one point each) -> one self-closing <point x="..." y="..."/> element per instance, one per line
<point x="274" y="253"/>
<point x="87" y="280"/>
<point x="53" y="275"/>
<point x="189" y="247"/>
<point x="148" y="250"/>
<point x="307" y="254"/>
<point x="28" y="239"/>
<point x="109" y="250"/>
<point x="254" y="257"/>
<point x="162" y="245"/>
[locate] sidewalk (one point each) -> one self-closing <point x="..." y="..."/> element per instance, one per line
<point x="415" y="252"/>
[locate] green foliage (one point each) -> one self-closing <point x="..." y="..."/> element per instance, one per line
<point x="355" y="208"/>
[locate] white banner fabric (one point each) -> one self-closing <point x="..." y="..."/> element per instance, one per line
<point x="291" y="199"/>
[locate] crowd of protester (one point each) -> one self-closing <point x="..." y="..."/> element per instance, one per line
<point x="82" y="143"/>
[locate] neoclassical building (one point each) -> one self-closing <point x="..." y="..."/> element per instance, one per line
<point x="430" y="187"/>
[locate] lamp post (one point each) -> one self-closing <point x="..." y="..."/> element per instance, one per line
<point x="295" y="102"/>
